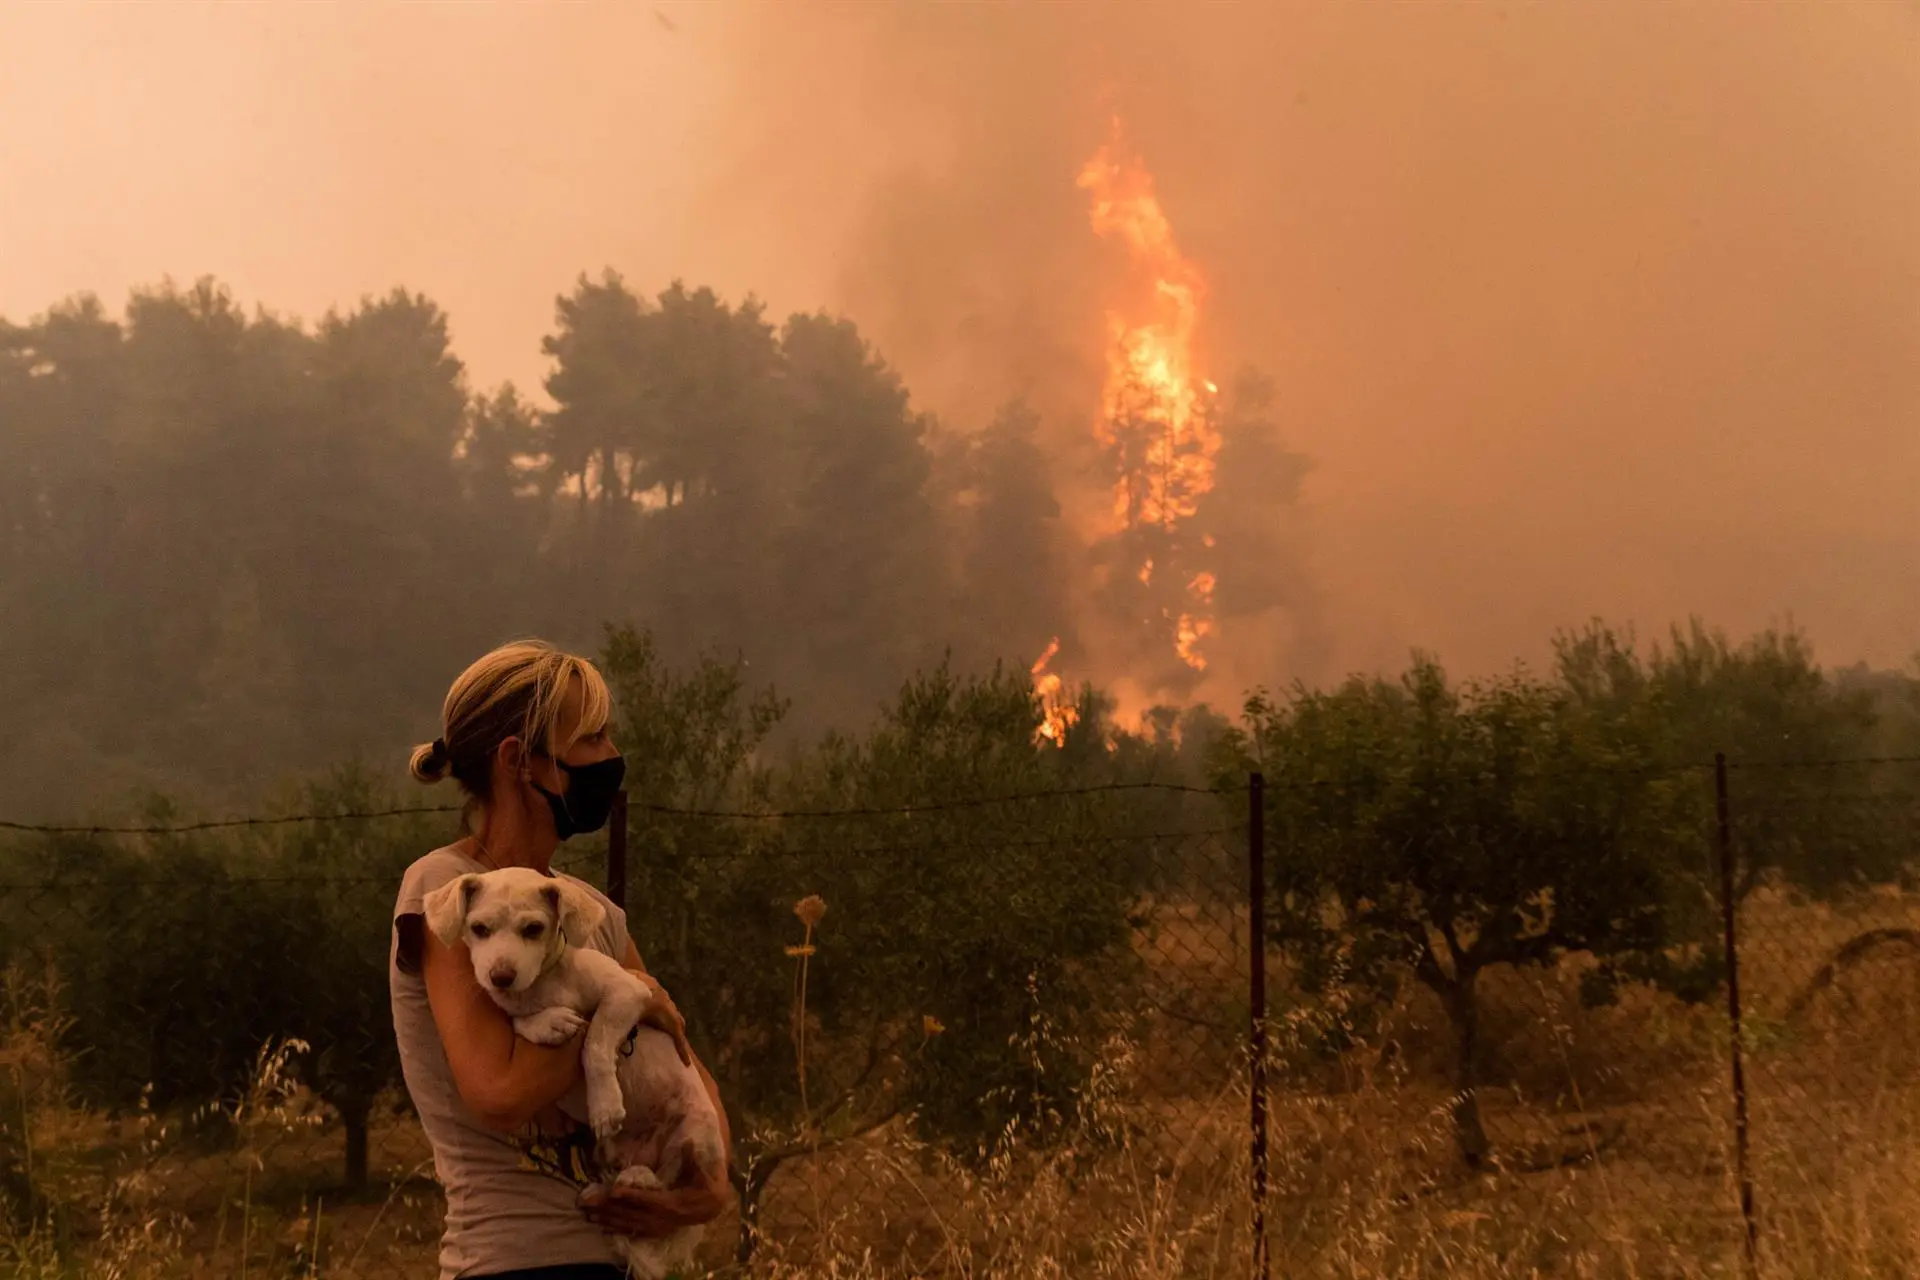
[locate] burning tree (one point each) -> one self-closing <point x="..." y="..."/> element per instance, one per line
<point x="1153" y="568"/>
<point x="1158" y="435"/>
<point x="1157" y="427"/>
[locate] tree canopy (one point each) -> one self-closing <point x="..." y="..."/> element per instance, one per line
<point x="234" y="546"/>
<point x="1432" y="828"/>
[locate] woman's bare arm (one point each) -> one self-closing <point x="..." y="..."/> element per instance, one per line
<point x="505" y="1080"/>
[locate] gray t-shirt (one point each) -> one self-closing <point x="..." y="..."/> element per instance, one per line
<point x="512" y="1201"/>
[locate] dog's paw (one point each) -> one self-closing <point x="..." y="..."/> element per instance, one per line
<point x="639" y="1175"/>
<point x="550" y="1027"/>
<point x="607" y="1116"/>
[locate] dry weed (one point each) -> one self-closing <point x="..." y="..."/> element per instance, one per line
<point x="1612" y="1127"/>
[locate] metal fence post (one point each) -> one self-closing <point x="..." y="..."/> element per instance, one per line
<point x="1729" y="910"/>
<point x="1257" y="999"/>
<point x="617" y="850"/>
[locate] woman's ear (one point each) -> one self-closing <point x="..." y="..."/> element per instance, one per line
<point x="512" y="755"/>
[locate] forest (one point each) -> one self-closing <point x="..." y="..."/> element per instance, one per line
<point x="235" y="547"/>
<point x="243" y="556"/>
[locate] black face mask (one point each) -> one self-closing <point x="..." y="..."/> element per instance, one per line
<point x="587" y="802"/>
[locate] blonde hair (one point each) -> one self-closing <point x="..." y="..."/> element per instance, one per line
<point x="518" y="690"/>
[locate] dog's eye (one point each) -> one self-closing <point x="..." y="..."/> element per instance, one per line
<point x="533" y="931"/>
<point x="481" y="931"/>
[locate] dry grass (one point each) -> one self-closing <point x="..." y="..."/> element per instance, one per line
<point x="1613" y="1127"/>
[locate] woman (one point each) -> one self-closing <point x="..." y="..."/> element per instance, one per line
<point x="525" y="738"/>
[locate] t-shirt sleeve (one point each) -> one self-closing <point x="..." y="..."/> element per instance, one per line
<point x="611" y="937"/>
<point x="409" y="915"/>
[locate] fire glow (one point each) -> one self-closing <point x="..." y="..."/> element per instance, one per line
<point x="1156" y="423"/>
<point x="1057" y="714"/>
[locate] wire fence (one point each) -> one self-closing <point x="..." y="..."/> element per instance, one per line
<point x="1828" y="947"/>
<point x="1056" y="1024"/>
<point x="992" y="980"/>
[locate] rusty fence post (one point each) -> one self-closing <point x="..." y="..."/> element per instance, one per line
<point x="1729" y="910"/>
<point x="617" y="850"/>
<point x="1257" y="1000"/>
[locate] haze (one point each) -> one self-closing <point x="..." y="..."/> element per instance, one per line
<point x="1582" y="309"/>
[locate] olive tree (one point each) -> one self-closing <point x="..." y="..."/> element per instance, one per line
<point x="947" y="922"/>
<point x="1439" y="828"/>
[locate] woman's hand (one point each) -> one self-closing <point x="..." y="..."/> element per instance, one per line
<point x="657" y="1212"/>
<point x="663" y="1015"/>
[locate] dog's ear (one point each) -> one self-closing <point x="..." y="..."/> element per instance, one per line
<point x="446" y="907"/>
<point x="575" y="913"/>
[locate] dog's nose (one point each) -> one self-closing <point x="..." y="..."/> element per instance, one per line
<point x="502" y="978"/>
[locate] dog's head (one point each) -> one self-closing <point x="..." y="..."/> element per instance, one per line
<point x="513" y="921"/>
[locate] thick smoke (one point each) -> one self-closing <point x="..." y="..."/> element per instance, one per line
<point x="971" y="260"/>
<point x="1577" y="310"/>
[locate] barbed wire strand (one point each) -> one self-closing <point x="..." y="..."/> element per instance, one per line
<point x="1847" y="763"/>
<point x="218" y="824"/>
<point x="908" y="810"/>
<point x="943" y="806"/>
<point x="574" y="868"/>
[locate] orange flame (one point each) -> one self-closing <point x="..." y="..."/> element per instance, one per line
<point x="1150" y="374"/>
<point x="1056" y="713"/>
<point x="1152" y="394"/>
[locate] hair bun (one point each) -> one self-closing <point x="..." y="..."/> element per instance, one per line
<point x="429" y="762"/>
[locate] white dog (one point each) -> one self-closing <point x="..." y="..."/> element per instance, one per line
<point x="526" y="933"/>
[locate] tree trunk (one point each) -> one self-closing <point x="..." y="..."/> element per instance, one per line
<point x="355" y="1114"/>
<point x="1463" y="1011"/>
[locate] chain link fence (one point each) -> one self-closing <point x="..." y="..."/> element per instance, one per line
<point x="1827" y="931"/>
<point x="1739" y="1102"/>
<point x="922" y="1009"/>
<point x="958" y="1038"/>
<point x="1581" y="1126"/>
<point x="911" y="1013"/>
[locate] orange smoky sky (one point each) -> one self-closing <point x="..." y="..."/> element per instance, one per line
<point x="1581" y="309"/>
